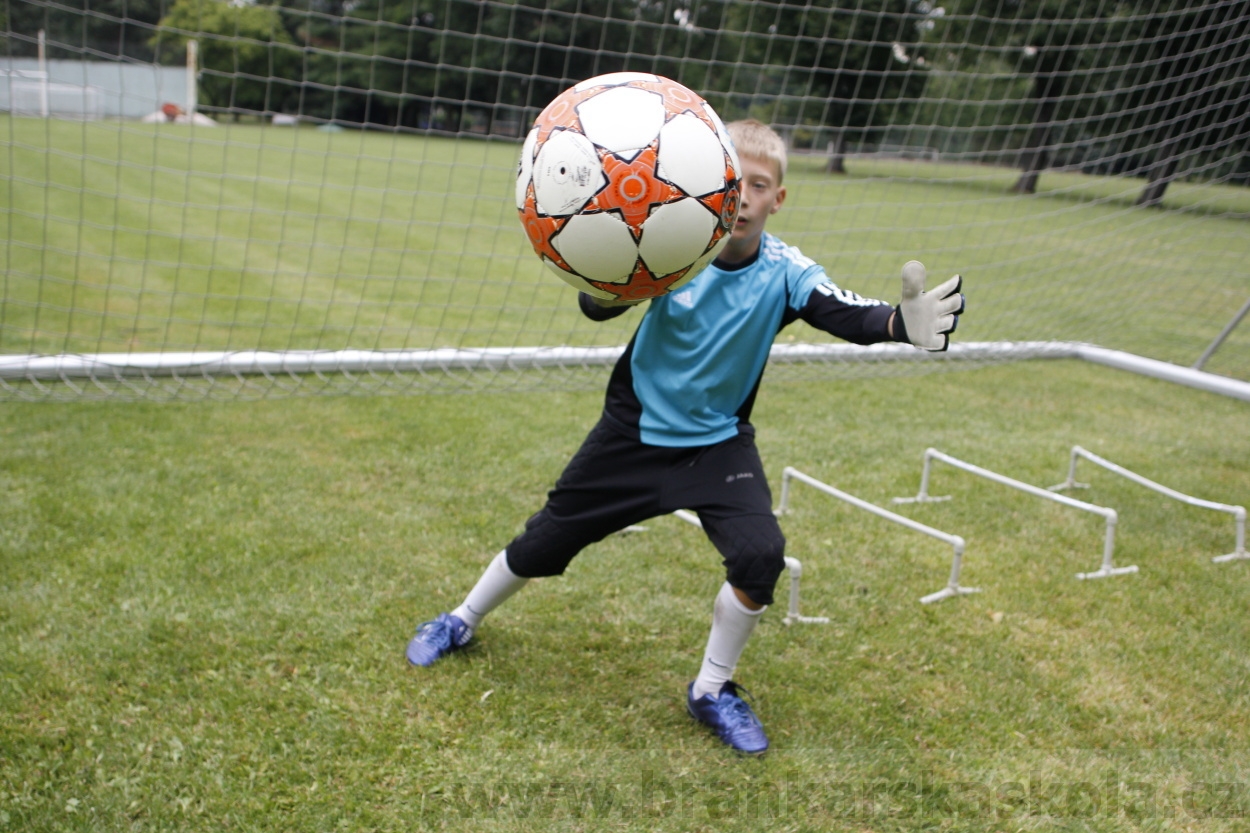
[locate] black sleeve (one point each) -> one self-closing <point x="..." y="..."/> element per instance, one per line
<point x="597" y="313"/>
<point x="848" y="316"/>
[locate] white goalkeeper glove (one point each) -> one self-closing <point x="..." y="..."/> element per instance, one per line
<point x="928" y="318"/>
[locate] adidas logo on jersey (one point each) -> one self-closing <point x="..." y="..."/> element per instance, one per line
<point x="684" y="298"/>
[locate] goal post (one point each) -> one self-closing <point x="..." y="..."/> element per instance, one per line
<point x="340" y="182"/>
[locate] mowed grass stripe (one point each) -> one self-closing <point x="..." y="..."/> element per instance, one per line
<point x="141" y="237"/>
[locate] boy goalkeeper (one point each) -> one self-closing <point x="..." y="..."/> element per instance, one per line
<point x="675" y="432"/>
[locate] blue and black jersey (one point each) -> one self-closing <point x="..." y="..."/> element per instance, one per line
<point x="690" y="373"/>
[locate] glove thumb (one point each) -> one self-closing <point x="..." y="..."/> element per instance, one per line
<point x="913" y="279"/>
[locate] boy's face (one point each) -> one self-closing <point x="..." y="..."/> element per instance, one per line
<point x="762" y="196"/>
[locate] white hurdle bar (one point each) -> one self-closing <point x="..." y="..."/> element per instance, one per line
<point x="796" y="573"/>
<point x="1238" y="512"/>
<point x="1106" y="569"/>
<point x="952" y="587"/>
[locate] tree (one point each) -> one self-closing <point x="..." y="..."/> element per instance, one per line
<point x="246" y="56"/>
<point x="1060" y="45"/>
<point x="828" y="64"/>
<point x="1153" y="87"/>
<point x="112" y="28"/>
<point x="456" y="64"/>
<point x="459" y="64"/>
<point x="1194" y="105"/>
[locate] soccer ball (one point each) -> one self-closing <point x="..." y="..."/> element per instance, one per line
<point x="628" y="185"/>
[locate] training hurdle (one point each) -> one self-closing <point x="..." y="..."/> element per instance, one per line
<point x="1107" y="568"/>
<point x="796" y="573"/>
<point x="952" y="587"/>
<point x="1238" y="512"/>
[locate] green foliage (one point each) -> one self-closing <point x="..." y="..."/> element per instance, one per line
<point x="1115" y="87"/>
<point x="1155" y="89"/>
<point x="1191" y="105"/>
<point x="204" y="609"/>
<point x="827" y="63"/>
<point x="490" y="67"/>
<point x="979" y="109"/>
<point x="244" y="63"/>
<point x="464" y="65"/>
<point x="116" y="28"/>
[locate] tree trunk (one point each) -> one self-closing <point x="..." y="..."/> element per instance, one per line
<point x="837" y="154"/>
<point x="1049" y="76"/>
<point x="1161" y="173"/>
<point x="1036" y="153"/>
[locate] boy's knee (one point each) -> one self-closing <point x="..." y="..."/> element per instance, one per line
<point x="754" y="563"/>
<point x="543" y="549"/>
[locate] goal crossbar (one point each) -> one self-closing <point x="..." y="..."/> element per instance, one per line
<point x="243" y="363"/>
<point x="1238" y="512"/>
<point x="1107" y="568"/>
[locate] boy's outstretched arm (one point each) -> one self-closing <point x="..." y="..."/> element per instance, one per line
<point x="923" y="319"/>
<point x="846" y="315"/>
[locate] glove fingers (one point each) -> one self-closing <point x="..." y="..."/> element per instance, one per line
<point x="949" y="306"/>
<point x="948" y="288"/>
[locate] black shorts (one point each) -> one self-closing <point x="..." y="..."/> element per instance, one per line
<point x="615" y="480"/>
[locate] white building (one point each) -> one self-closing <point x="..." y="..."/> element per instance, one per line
<point x="90" y="89"/>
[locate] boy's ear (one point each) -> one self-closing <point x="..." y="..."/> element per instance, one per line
<point x="781" y="197"/>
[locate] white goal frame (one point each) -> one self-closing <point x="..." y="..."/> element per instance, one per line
<point x="135" y="370"/>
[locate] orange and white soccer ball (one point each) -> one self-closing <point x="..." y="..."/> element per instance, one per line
<point x="628" y="185"/>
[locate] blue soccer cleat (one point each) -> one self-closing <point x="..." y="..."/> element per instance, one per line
<point x="437" y="638"/>
<point x="730" y="717"/>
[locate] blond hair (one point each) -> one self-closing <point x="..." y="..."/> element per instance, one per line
<point x="755" y="139"/>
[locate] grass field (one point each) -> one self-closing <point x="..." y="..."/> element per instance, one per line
<point x="126" y="237"/>
<point x="204" y="605"/>
<point x="203" y="609"/>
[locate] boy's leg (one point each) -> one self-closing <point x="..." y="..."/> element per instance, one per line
<point x="606" y="486"/>
<point x="495" y="587"/>
<point x="753" y="548"/>
<point x="449" y="631"/>
<point x="713" y="697"/>
<point x="611" y="482"/>
<point x="728" y="490"/>
<point x="732" y="624"/>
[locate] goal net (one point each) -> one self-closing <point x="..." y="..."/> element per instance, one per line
<point x="327" y="205"/>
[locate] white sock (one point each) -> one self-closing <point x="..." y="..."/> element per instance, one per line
<point x="495" y="587"/>
<point x="732" y="623"/>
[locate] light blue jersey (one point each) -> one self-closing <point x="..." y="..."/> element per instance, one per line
<point x="700" y="352"/>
